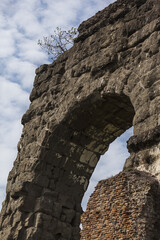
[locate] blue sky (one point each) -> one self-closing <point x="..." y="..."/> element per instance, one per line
<point x="22" y="23"/>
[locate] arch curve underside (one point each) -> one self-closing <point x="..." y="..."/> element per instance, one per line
<point x="107" y="82"/>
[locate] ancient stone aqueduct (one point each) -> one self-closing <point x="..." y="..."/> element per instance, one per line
<point x="107" y="82"/>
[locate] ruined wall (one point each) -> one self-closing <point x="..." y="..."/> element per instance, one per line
<point x="107" y="82"/>
<point x="125" y="206"/>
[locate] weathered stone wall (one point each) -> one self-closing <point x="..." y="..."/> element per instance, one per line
<point x="125" y="206"/>
<point x="107" y="82"/>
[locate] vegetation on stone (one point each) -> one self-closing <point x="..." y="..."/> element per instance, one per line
<point x="59" y="42"/>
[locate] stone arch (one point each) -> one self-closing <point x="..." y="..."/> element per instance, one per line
<point x="79" y="104"/>
<point x="84" y="136"/>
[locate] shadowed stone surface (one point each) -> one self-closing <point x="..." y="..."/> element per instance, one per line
<point x="107" y="82"/>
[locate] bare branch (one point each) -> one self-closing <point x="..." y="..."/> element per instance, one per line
<point x="59" y="42"/>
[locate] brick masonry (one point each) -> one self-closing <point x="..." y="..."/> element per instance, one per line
<point x="126" y="206"/>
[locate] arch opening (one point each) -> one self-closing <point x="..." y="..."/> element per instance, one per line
<point x="109" y="164"/>
<point x="93" y="125"/>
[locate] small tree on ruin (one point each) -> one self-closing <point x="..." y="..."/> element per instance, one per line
<point x="59" y="42"/>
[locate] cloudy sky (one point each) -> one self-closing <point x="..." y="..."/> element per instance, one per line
<point x="22" y="23"/>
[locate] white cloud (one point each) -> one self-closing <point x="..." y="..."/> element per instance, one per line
<point x="10" y="134"/>
<point x="27" y="23"/>
<point x="7" y="45"/>
<point x="12" y="97"/>
<point x="7" y="154"/>
<point x="23" y="71"/>
<point x="28" y="50"/>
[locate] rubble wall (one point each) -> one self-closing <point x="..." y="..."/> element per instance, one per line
<point x="125" y="206"/>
